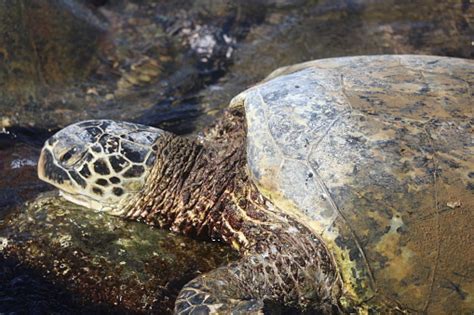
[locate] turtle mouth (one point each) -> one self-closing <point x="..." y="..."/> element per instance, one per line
<point x="93" y="204"/>
<point x="83" y="201"/>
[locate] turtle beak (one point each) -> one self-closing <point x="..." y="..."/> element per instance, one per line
<point x="49" y="172"/>
<point x="41" y="168"/>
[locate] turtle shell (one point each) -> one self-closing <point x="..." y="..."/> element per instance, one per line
<point x="375" y="154"/>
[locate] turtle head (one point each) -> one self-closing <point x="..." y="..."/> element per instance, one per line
<point x="99" y="164"/>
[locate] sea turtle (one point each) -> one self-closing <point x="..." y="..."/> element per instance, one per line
<point x="346" y="184"/>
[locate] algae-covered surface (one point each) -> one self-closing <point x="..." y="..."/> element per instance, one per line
<point x="172" y="64"/>
<point x="126" y="265"/>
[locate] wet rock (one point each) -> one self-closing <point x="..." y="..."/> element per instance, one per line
<point x="8" y="197"/>
<point x="24" y="290"/>
<point x="112" y="59"/>
<point x="331" y="28"/>
<point x="34" y="45"/>
<point x="18" y="181"/>
<point x="99" y="259"/>
<point x="167" y="63"/>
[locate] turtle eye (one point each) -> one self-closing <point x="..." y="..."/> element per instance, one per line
<point x="66" y="156"/>
<point x="70" y="157"/>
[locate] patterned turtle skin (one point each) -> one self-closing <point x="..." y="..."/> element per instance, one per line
<point x="346" y="185"/>
<point x="107" y="161"/>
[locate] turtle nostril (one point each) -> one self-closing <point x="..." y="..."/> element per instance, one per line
<point x="52" y="140"/>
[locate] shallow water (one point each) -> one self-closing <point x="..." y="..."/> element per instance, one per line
<point x="169" y="65"/>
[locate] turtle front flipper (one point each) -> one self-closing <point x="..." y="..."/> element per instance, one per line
<point x="291" y="270"/>
<point x="220" y="291"/>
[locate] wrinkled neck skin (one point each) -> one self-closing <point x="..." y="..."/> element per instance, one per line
<point x="205" y="191"/>
<point x="189" y="185"/>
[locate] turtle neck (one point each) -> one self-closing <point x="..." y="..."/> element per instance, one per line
<point x="191" y="184"/>
<point x="202" y="189"/>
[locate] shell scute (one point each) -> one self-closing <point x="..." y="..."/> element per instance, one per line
<point x="374" y="153"/>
